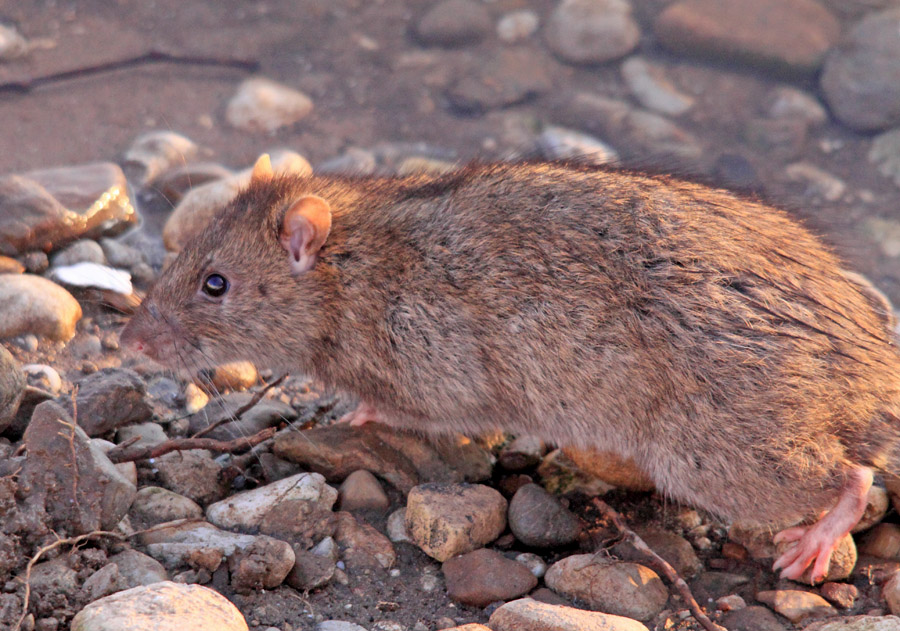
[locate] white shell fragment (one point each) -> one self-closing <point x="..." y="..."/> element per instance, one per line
<point x="95" y="276"/>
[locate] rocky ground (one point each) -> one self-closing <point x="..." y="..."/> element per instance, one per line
<point x="323" y="526"/>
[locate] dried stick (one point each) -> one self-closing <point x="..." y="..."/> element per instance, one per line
<point x="257" y="397"/>
<point x="24" y="86"/>
<point x="657" y="563"/>
<point x="48" y="548"/>
<point x="181" y="444"/>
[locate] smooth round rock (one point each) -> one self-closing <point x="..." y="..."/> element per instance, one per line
<point x="591" y="31"/>
<point x="33" y="304"/>
<point x="623" y="589"/>
<point x="784" y="35"/>
<point x="861" y="76"/>
<point x="454" y="22"/>
<point x="526" y="614"/>
<point x="537" y="519"/>
<point x="262" y="105"/>
<point x="484" y="576"/>
<point x="164" y="606"/>
<point x="362" y="491"/>
<point x="83" y="250"/>
<point x="516" y="26"/>
<point x="449" y="519"/>
<point x="156" y="505"/>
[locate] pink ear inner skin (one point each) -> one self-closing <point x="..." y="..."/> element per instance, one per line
<point x="304" y="230"/>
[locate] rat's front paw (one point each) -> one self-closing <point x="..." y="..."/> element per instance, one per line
<point x="812" y="545"/>
<point x="364" y="413"/>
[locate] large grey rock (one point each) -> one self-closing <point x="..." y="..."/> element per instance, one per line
<point x="861" y="77"/>
<point x="56" y="449"/>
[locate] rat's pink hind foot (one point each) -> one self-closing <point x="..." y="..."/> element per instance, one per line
<point x="364" y="413"/>
<point x="815" y="543"/>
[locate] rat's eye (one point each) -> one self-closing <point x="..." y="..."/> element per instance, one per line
<point x="215" y="285"/>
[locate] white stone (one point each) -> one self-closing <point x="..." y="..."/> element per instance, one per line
<point x="261" y="104"/>
<point x="247" y="510"/>
<point x="164" y="606"/>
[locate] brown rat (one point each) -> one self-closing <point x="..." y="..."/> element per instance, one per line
<point x="711" y="339"/>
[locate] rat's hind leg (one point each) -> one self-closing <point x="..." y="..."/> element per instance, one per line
<point x="362" y="414"/>
<point x="818" y="541"/>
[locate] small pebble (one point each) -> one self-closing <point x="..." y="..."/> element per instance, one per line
<point x="262" y="105"/>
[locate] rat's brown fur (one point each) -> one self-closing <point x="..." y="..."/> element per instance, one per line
<point x="713" y="340"/>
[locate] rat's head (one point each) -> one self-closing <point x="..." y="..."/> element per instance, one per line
<point x="247" y="288"/>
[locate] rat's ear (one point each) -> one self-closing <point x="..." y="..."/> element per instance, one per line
<point x="304" y="229"/>
<point x="262" y="170"/>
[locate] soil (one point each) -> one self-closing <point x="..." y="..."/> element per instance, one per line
<point x="372" y="83"/>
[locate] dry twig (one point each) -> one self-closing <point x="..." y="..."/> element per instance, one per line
<point x="48" y="548"/>
<point x="657" y="563"/>
<point x="182" y="444"/>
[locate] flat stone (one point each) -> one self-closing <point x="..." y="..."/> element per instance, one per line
<point x="154" y="505"/>
<point x="484" y="576"/>
<point x="362" y="491"/>
<point x="252" y="510"/>
<point x="449" y="519"/>
<point x="102" y="496"/>
<point x="591" y="31"/>
<point x="164" y="605"/>
<point x="255" y="561"/>
<point x="111" y="398"/>
<point x="103" y="582"/>
<point x="861" y="76"/>
<point x="12" y="388"/>
<point x="453" y="23"/>
<point x="796" y="605"/>
<point x="620" y="588"/>
<point x="512" y="75"/>
<point x="783" y="35"/>
<point x="32" y="304"/>
<point x="154" y="152"/>
<point x="526" y="614"/>
<point x="263" y="105"/>
<point x="537" y="519"/>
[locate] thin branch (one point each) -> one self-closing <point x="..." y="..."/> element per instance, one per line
<point x="257" y="397"/>
<point x="657" y="563"/>
<point x="24" y="86"/>
<point x="131" y="454"/>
